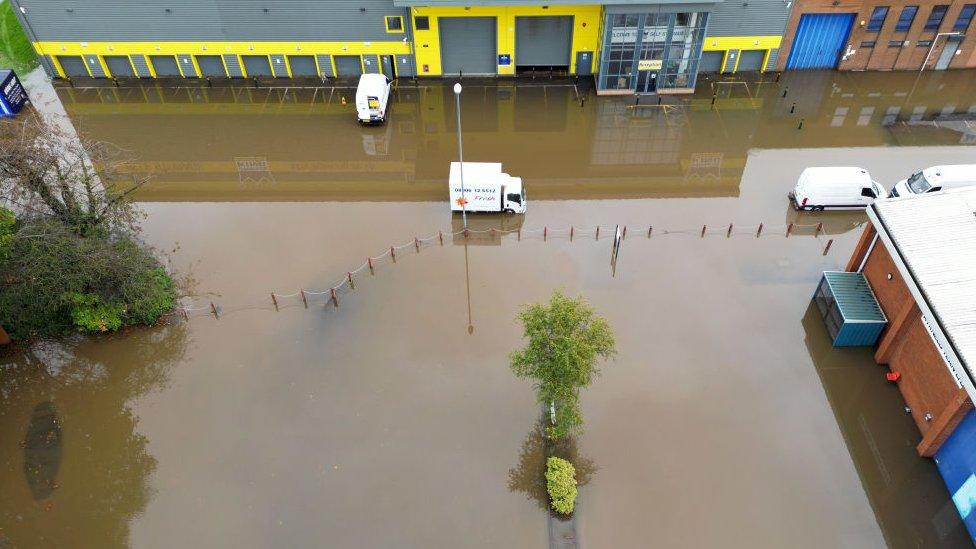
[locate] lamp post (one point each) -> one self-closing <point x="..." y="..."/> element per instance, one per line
<point x="464" y="202"/>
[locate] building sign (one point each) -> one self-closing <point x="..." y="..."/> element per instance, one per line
<point x="504" y="60"/>
<point x="650" y="64"/>
<point x="628" y="35"/>
<point x="13" y="97"/>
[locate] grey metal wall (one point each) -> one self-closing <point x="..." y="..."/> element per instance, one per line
<point x="468" y="45"/>
<point x="544" y="40"/>
<point x="141" y="20"/>
<point x="749" y="18"/>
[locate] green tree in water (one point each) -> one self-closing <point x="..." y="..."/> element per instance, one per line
<point x="565" y="341"/>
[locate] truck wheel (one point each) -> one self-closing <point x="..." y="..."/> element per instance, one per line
<point x="509" y="211"/>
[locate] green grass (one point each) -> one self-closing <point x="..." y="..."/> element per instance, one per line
<point x="16" y="51"/>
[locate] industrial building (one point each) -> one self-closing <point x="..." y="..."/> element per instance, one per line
<point x="919" y="256"/>
<point x="857" y="35"/>
<point x="629" y="47"/>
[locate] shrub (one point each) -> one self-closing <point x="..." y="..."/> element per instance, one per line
<point x="90" y="314"/>
<point x="54" y="281"/>
<point x="561" y="484"/>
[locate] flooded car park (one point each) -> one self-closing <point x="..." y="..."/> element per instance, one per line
<point x="727" y="418"/>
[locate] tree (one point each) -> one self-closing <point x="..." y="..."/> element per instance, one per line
<point x="565" y="340"/>
<point x="47" y="171"/>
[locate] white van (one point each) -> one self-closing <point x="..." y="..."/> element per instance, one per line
<point x="935" y="179"/>
<point x="835" y="188"/>
<point x="372" y="98"/>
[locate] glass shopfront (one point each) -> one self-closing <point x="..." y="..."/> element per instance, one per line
<point x="651" y="51"/>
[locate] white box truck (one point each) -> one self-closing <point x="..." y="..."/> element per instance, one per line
<point x="486" y="189"/>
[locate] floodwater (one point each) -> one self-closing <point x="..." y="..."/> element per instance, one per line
<point x="392" y="420"/>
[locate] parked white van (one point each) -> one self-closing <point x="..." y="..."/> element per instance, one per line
<point x="372" y="98"/>
<point x="835" y="188"/>
<point x="935" y="179"/>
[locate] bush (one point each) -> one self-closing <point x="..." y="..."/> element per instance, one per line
<point x="561" y="484"/>
<point x="53" y="281"/>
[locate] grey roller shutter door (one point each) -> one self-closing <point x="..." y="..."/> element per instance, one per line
<point x="211" y="65"/>
<point x="257" y="65"/>
<point x="751" y="60"/>
<point x="278" y="66"/>
<point x="711" y="61"/>
<point x="73" y="65"/>
<point x="141" y="66"/>
<point x="302" y="66"/>
<point x="348" y="65"/>
<point x="543" y="41"/>
<point x="164" y="65"/>
<point x="119" y="66"/>
<point x="467" y="45"/>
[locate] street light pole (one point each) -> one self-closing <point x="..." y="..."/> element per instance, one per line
<point x="464" y="202"/>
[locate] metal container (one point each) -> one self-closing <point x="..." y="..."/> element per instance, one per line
<point x="13" y="96"/>
<point x="849" y="309"/>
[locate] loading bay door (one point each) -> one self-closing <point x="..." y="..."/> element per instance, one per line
<point x="257" y="65"/>
<point x="211" y="65"/>
<point x="348" y="66"/>
<point x="164" y="65"/>
<point x="820" y="39"/>
<point x="468" y="45"/>
<point x="751" y="60"/>
<point x="711" y="61"/>
<point x="543" y="41"/>
<point x="119" y="66"/>
<point x="73" y="65"/>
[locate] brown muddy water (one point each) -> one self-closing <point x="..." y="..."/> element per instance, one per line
<point x="726" y="420"/>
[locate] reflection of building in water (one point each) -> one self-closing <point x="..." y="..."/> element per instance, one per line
<point x="560" y="146"/>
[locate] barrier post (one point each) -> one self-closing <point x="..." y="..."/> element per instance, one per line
<point x="789" y="229"/>
<point x="213" y="309"/>
<point x="598" y="232"/>
<point x="393" y="253"/>
<point x="819" y="228"/>
<point x="829" y="243"/>
<point x="520" y="234"/>
<point x="352" y="284"/>
<point x="545" y="233"/>
<point x="416" y="244"/>
<point x="624" y="235"/>
<point x="650" y="228"/>
<point x="703" y="231"/>
<point x="304" y="297"/>
<point x="570" y="233"/>
<point x="274" y="300"/>
<point x="440" y="236"/>
<point x="335" y="298"/>
<point x="369" y="260"/>
<point x="759" y="230"/>
<point x="729" y="232"/>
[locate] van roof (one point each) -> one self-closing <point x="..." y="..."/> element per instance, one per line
<point x="951" y="172"/>
<point x="372" y="79"/>
<point x="473" y="170"/>
<point x="841" y="176"/>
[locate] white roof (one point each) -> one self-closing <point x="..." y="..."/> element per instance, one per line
<point x="838" y="173"/>
<point x="935" y="237"/>
<point x="475" y="171"/>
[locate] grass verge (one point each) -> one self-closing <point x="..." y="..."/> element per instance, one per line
<point x="16" y="51"/>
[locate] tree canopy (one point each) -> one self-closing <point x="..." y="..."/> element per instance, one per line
<point x="566" y="339"/>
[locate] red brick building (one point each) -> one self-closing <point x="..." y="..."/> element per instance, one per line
<point x="882" y="35"/>
<point x="919" y="257"/>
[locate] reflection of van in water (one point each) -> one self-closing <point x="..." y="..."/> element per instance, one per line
<point x="935" y="179"/>
<point x="372" y="98"/>
<point x="835" y="188"/>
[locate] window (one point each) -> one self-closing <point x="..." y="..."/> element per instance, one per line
<point x="906" y="18"/>
<point x="935" y="18"/>
<point x="868" y="192"/>
<point x="896" y="43"/>
<point x="923" y="43"/>
<point x="421" y="22"/>
<point x="965" y="17"/>
<point x="867" y="44"/>
<point x="394" y="23"/>
<point x="877" y="18"/>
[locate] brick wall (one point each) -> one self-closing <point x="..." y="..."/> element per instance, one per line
<point x="881" y="56"/>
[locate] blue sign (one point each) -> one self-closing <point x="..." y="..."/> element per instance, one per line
<point x="504" y="59"/>
<point x="13" y="97"/>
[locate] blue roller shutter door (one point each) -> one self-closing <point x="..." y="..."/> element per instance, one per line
<point x="956" y="460"/>
<point x="819" y="41"/>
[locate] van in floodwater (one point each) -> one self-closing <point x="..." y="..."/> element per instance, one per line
<point x="935" y="179"/>
<point x="835" y="188"/>
<point x="372" y="98"/>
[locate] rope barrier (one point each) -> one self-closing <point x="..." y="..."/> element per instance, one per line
<point x="348" y="281"/>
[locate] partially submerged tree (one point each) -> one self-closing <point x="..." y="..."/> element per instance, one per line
<point x="69" y="256"/>
<point x="565" y="340"/>
<point x="49" y="171"/>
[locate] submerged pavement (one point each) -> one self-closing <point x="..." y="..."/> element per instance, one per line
<point x="727" y="419"/>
